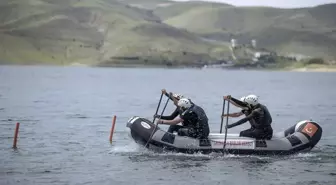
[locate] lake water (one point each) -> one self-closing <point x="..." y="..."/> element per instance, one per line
<point x="65" y="116"/>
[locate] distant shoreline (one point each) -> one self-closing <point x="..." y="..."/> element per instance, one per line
<point x="304" y="69"/>
<point x="323" y="68"/>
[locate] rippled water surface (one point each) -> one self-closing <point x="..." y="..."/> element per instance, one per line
<point x="65" y="117"/>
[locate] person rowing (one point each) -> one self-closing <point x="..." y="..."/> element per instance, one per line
<point x="258" y="115"/>
<point x="194" y="119"/>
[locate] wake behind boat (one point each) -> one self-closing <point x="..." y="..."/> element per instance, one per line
<point x="301" y="137"/>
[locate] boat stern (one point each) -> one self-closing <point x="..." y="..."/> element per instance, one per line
<point x="311" y="129"/>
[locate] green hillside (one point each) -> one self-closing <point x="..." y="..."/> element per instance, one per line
<point x="175" y="9"/>
<point x="99" y="32"/>
<point x="308" y="31"/>
<point x="147" y="4"/>
<point x="156" y="32"/>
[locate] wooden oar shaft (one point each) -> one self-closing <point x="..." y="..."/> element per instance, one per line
<point x="221" y="127"/>
<point x="150" y="137"/>
<point x="227" y="121"/>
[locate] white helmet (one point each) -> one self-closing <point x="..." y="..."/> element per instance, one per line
<point x="184" y="103"/>
<point x="178" y="96"/>
<point x="251" y="99"/>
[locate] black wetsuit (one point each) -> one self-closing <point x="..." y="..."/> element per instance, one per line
<point x="196" y="123"/>
<point x="260" y="120"/>
<point x="246" y="109"/>
<point x="240" y="103"/>
<point x="177" y="111"/>
<point x="173" y="128"/>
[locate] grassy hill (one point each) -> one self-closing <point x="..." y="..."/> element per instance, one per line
<point x="148" y="4"/>
<point x="176" y="9"/>
<point x="308" y="31"/>
<point x="95" y="32"/>
<point x="155" y="32"/>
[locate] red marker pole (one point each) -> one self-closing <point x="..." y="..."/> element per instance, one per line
<point x="112" y="129"/>
<point x="16" y="133"/>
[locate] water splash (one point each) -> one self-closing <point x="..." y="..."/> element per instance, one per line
<point x="128" y="148"/>
<point x="305" y="155"/>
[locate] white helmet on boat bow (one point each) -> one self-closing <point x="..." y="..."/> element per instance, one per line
<point x="251" y="99"/>
<point x="184" y="103"/>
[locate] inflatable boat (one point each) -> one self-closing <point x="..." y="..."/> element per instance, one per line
<point x="301" y="137"/>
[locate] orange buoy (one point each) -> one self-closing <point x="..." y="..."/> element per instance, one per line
<point x="112" y="129"/>
<point x="16" y="133"/>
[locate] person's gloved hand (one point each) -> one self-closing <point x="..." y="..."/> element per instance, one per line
<point x="227" y="97"/>
<point x="159" y="121"/>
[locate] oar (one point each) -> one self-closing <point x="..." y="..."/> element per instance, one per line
<point x="157" y="109"/>
<point x="227" y="121"/>
<point x="150" y="137"/>
<point x="222" y="116"/>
